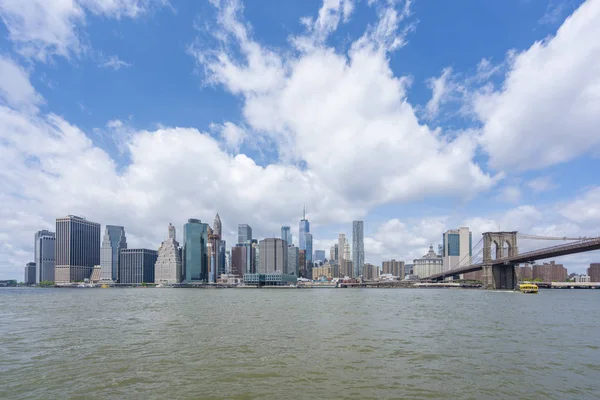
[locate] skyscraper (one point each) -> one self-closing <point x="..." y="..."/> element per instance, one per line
<point x="44" y="255"/>
<point x="217" y="229"/>
<point x="77" y="249"/>
<point x="293" y="261"/>
<point x="30" y="272"/>
<point x="358" y="247"/>
<point x="304" y="228"/>
<point x="167" y="269"/>
<point x="340" y="248"/>
<point x="456" y="248"/>
<point x="273" y="255"/>
<point x="309" y="246"/>
<point x="137" y="266"/>
<point x="195" y="252"/>
<point x="113" y="241"/>
<point x="244" y="233"/>
<point x="286" y="234"/>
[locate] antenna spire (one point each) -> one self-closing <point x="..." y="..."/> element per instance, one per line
<point x="304" y="211"/>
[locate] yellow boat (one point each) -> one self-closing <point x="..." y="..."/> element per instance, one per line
<point x="528" y="288"/>
<point x="104" y="286"/>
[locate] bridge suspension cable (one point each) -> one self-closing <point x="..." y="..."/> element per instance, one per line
<point x="535" y="237"/>
<point x="465" y="258"/>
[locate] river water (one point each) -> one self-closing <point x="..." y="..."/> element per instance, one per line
<point x="287" y="344"/>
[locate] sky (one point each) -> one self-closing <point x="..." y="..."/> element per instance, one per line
<point x="413" y="116"/>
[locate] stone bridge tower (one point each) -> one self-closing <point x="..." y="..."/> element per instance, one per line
<point x="499" y="239"/>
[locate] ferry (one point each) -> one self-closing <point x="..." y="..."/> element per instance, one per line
<point x="528" y="288"/>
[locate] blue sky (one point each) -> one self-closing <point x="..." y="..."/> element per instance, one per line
<point x="416" y="117"/>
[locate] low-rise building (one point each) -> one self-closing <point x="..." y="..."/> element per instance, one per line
<point x="594" y="272"/>
<point x="396" y="268"/>
<point x="550" y="272"/>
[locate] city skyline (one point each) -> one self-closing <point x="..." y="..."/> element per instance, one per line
<point x="267" y="112"/>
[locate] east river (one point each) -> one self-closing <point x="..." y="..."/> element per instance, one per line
<point x="298" y="344"/>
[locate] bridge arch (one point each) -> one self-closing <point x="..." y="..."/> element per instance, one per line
<point x="499" y="240"/>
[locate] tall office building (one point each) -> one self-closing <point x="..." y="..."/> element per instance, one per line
<point x="195" y="252"/>
<point x="168" y="266"/>
<point x="341" y="246"/>
<point x="457" y="248"/>
<point x="286" y="234"/>
<point x="244" y="233"/>
<point x="113" y="242"/>
<point x="29" y="278"/>
<point x="303" y="229"/>
<point x="594" y="272"/>
<point x="319" y="256"/>
<point x="273" y="255"/>
<point x="347" y="251"/>
<point x="137" y="266"/>
<point x="332" y="255"/>
<point x="77" y="249"/>
<point x="308" y="240"/>
<point x="358" y="247"/>
<point x="217" y="228"/>
<point x="293" y="261"/>
<point x="44" y="255"/>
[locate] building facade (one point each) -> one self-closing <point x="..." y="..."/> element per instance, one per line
<point x="286" y="234"/>
<point x="346" y="269"/>
<point x="45" y="241"/>
<point x="113" y="242"/>
<point x="594" y="272"/>
<point x="550" y="272"/>
<point x="430" y="264"/>
<point x="30" y="273"/>
<point x="77" y="249"/>
<point x="217" y="226"/>
<point x="393" y="267"/>
<point x="168" y="266"/>
<point x="273" y="255"/>
<point x="195" y="251"/>
<point x="370" y="272"/>
<point x="244" y="233"/>
<point x="457" y="248"/>
<point x="358" y="247"/>
<point x="303" y="229"/>
<point x="293" y="260"/>
<point x="137" y="266"/>
<point x="308" y="239"/>
<point x="341" y="245"/>
<point x="319" y="256"/>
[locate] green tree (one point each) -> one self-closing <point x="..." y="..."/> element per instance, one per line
<point x="46" y="284"/>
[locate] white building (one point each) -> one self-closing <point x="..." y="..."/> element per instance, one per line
<point x="167" y="269"/>
<point x="457" y="248"/>
<point x="428" y="265"/>
<point x="583" y="278"/>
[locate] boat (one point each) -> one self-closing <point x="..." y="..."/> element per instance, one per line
<point x="528" y="288"/>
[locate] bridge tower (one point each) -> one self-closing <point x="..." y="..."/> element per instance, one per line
<point x="498" y="275"/>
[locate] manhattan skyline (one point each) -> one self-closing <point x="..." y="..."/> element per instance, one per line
<point x="253" y="112"/>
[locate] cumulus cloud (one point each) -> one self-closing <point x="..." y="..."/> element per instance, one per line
<point x="541" y="184"/>
<point x="548" y="105"/>
<point x="15" y="88"/>
<point x="41" y="29"/>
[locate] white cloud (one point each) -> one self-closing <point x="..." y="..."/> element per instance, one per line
<point x="15" y="88"/>
<point x="115" y="63"/>
<point x="585" y="210"/>
<point x="548" y="105"/>
<point x="41" y="29"/>
<point x="541" y="184"/>
<point x="232" y="134"/>
<point x="441" y="88"/>
<point x="512" y="194"/>
<point x="357" y="115"/>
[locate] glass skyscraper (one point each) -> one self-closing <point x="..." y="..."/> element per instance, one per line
<point x="195" y="255"/>
<point x="137" y="265"/>
<point x="308" y="238"/>
<point x="304" y="228"/>
<point x="44" y="255"/>
<point x="113" y="242"/>
<point x="286" y="234"/>
<point x="358" y="247"/>
<point x="244" y="233"/>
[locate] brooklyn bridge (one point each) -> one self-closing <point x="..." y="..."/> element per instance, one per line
<point x="498" y="256"/>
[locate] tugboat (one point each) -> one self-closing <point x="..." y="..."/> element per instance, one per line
<point x="528" y="288"/>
